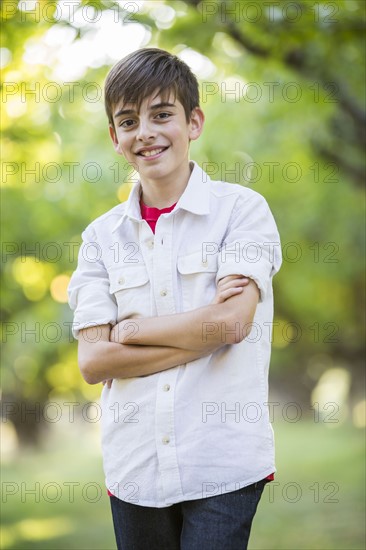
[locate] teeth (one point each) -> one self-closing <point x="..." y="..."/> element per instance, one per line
<point x="151" y="153"/>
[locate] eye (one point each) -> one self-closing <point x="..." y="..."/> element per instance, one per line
<point x="162" y="116"/>
<point x="127" y="123"/>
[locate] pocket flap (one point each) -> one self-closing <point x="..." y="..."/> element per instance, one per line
<point x="197" y="262"/>
<point x="127" y="277"/>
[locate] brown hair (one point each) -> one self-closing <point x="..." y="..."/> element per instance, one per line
<point x="149" y="70"/>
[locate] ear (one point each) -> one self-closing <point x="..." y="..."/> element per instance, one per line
<point x="112" y="133"/>
<point x="196" y="123"/>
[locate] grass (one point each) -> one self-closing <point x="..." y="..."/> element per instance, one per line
<point x="317" y="501"/>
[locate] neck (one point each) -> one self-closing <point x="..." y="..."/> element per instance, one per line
<point x="165" y="191"/>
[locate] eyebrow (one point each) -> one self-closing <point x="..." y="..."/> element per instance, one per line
<point x="152" y="108"/>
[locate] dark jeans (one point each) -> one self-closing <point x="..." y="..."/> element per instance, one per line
<point x="220" y="522"/>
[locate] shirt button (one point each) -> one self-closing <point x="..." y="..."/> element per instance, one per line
<point x="165" y="440"/>
<point x="163" y="293"/>
<point x="150" y="244"/>
<point x="166" y="387"/>
<point x="121" y="280"/>
<point x="205" y="264"/>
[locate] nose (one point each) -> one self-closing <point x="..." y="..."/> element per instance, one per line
<point x="145" y="130"/>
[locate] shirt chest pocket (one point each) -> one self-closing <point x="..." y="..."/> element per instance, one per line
<point x="131" y="288"/>
<point x="197" y="278"/>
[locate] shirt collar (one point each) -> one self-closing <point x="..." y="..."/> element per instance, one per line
<point x="195" y="197"/>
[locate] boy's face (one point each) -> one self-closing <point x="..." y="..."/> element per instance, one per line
<point x="155" y="140"/>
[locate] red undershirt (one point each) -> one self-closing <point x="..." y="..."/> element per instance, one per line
<point x="151" y="215"/>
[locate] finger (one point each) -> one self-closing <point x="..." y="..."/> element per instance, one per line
<point x="230" y="278"/>
<point x="224" y="295"/>
<point x="227" y="278"/>
<point x="239" y="282"/>
<point x="232" y="292"/>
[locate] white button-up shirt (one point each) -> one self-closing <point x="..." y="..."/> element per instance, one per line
<point x="202" y="428"/>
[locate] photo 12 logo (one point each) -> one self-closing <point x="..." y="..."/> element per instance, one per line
<point x="255" y="12"/>
<point x="72" y="11"/>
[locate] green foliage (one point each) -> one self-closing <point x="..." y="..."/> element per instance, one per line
<point x="300" y="147"/>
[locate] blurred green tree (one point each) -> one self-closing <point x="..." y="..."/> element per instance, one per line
<point x="282" y="86"/>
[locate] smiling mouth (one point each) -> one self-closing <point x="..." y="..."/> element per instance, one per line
<point x="152" y="152"/>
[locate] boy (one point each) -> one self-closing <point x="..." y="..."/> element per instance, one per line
<point x="167" y="288"/>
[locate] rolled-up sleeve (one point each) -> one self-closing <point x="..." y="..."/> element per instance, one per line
<point x="252" y="244"/>
<point x="88" y="291"/>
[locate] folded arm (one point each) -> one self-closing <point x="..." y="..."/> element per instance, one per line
<point x="168" y="341"/>
<point x="201" y="329"/>
<point x="100" y="359"/>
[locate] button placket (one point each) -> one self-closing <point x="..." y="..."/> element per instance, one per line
<point x="165" y="412"/>
<point x="165" y="435"/>
<point x="163" y="269"/>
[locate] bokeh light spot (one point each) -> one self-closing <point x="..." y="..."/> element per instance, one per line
<point x="59" y="288"/>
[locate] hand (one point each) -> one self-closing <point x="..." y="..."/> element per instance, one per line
<point x="124" y="331"/>
<point x="108" y="382"/>
<point x="228" y="286"/>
